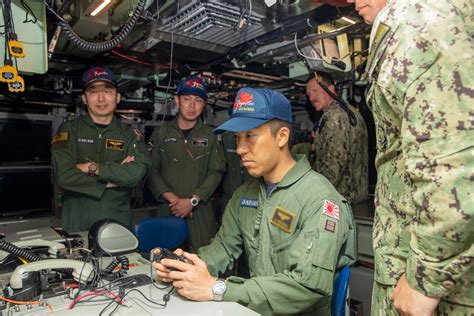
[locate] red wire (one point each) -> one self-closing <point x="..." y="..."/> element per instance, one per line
<point x="141" y="61"/>
<point x="118" y="298"/>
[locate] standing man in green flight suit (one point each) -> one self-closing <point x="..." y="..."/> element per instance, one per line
<point x="188" y="163"/>
<point x="341" y="148"/>
<point x="294" y="227"/>
<point x="97" y="159"/>
<point x="421" y="93"/>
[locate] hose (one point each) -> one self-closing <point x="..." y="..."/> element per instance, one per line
<point x="106" y="45"/>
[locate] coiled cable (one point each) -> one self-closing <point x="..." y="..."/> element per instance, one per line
<point x="106" y="45"/>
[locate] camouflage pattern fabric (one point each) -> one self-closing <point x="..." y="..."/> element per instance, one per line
<point x="342" y="153"/>
<point x="421" y="93"/>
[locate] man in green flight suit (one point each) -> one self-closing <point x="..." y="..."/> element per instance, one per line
<point x="341" y="148"/>
<point x="294" y="227"/>
<point x="421" y="93"/>
<point x="97" y="159"/>
<point x="188" y="164"/>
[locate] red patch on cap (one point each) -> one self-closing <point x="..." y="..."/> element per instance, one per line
<point x="330" y="209"/>
<point x="195" y="83"/>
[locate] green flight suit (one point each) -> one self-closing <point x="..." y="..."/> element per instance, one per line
<point x="295" y="240"/>
<point x="235" y="174"/>
<point x="187" y="167"/>
<point x="421" y="92"/>
<point x="86" y="198"/>
<point x="304" y="149"/>
<point x="342" y="153"/>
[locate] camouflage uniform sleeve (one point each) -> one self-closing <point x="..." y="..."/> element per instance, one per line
<point x="156" y="183"/>
<point x="215" y="171"/>
<point x="128" y="174"/>
<point x="67" y="175"/>
<point x="332" y="152"/>
<point x="438" y="141"/>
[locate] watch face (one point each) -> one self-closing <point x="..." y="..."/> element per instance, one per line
<point x="194" y="202"/>
<point x="219" y="287"/>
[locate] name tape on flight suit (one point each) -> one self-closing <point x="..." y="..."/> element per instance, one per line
<point x="283" y="219"/>
<point x="200" y="142"/>
<point x="330" y="209"/>
<point x="60" y="137"/>
<point x="85" y="140"/>
<point x="249" y="202"/>
<point x="170" y="139"/>
<point x="114" y="144"/>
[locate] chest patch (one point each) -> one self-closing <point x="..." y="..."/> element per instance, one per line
<point x="85" y="140"/>
<point x="249" y="202"/>
<point x="200" y="142"/>
<point x="330" y="209"/>
<point x="283" y="219"/>
<point x="170" y="140"/>
<point x="115" y="144"/>
<point x="60" y="137"/>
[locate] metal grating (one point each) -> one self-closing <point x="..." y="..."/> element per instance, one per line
<point x="215" y="22"/>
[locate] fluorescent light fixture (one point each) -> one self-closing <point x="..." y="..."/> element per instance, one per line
<point x="99" y="5"/>
<point x="348" y="20"/>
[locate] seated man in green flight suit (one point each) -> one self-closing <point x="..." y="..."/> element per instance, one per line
<point x="97" y="159"/>
<point x="293" y="226"/>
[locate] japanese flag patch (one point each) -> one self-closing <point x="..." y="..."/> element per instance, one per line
<point x="330" y="209"/>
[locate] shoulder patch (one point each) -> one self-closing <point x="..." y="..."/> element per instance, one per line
<point x="60" y="137"/>
<point x="249" y="202"/>
<point x="330" y="226"/>
<point x="115" y="144"/>
<point x="330" y="209"/>
<point x="283" y="219"/>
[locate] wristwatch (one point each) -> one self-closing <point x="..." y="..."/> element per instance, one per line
<point x="194" y="201"/>
<point x="218" y="289"/>
<point x="92" y="169"/>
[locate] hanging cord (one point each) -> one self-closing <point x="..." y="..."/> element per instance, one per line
<point x="106" y="45"/>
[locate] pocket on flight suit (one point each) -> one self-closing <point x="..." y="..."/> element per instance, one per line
<point x="318" y="271"/>
<point x="251" y="249"/>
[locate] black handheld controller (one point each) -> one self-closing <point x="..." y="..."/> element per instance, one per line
<point x="167" y="254"/>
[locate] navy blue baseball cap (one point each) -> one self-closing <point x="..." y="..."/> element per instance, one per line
<point x="254" y="107"/>
<point x="96" y="74"/>
<point x="192" y="86"/>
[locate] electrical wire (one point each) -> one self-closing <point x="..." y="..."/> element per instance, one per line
<point x="28" y="11"/>
<point x="313" y="52"/>
<point x="136" y="60"/>
<point x="50" y="307"/>
<point x="76" y="300"/>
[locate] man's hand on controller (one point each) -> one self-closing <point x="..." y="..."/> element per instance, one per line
<point x="192" y="281"/>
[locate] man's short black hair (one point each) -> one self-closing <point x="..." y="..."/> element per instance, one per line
<point x="276" y="124"/>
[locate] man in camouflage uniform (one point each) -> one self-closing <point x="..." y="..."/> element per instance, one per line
<point x="188" y="163"/>
<point x="295" y="229"/>
<point x="341" y="148"/>
<point x="421" y="93"/>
